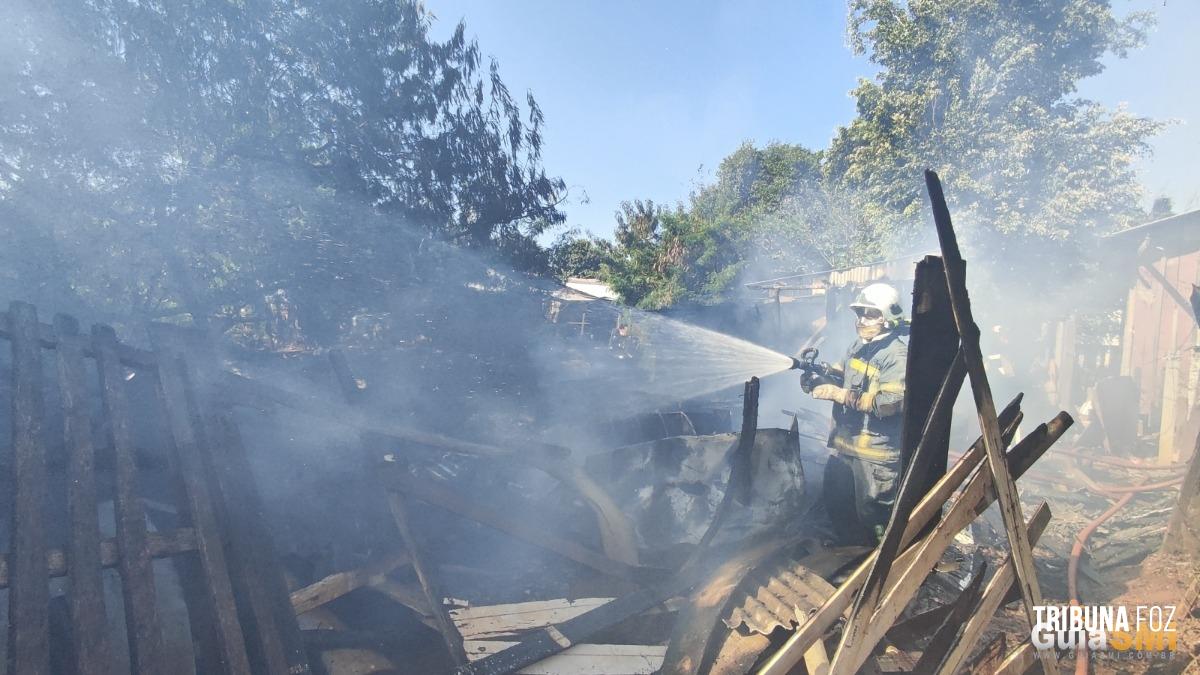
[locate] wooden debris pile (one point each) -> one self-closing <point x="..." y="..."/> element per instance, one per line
<point x="725" y="606"/>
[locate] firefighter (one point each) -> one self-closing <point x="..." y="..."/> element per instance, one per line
<point x="864" y="469"/>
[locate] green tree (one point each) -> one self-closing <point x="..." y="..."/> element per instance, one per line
<point x="195" y="158"/>
<point x="985" y="92"/>
<point x="579" y="255"/>
<point x="766" y="213"/>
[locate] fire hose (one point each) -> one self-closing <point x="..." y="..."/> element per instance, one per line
<point x="1123" y="495"/>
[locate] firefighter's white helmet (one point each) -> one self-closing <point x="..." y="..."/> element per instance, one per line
<point x="884" y="298"/>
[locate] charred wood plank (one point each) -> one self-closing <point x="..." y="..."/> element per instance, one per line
<point x="1006" y="490"/>
<point x="553" y="639"/>
<point x="742" y="467"/>
<point x="273" y="633"/>
<point x="161" y="544"/>
<point x="932" y="348"/>
<point x="182" y="422"/>
<point x="997" y="590"/>
<point x="947" y="635"/>
<point x="919" y="564"/>
<point x="339" y="584"/>
<point x="48" y="339"/>
<point x="29" y="594"/>
<point x="397" y="504"/>
<point x="428" y="583"/>
<point x="256" y="569"/>
<point x="1021" y="457"/>
<point x="137" y="576"/>
<point x="89" y="625"/>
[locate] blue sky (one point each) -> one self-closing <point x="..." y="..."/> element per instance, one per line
<point x="644" y="99"/>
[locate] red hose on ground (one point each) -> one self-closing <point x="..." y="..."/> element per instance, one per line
<point x="1126" y="493"/>
<point x="1117" y="461"/>
<point x="1081" y="654"/>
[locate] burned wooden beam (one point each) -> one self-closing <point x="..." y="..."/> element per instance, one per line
<point x="916" y="565"/>
<point x="338" y="584"/>
<point x="997" y="590"/>
<point x="48" y="339"/>
<point x="947" y="635"/>
<point x="428" y="583"/>
<point x="555" y="638"/>
<point x="397" y="504"/>
<point x="1006" y="490"/>
<point x="255" y="569"/>
<point x="201" y="512"/>
<point x="89" y="625"/>
<point x="161" y="544"/>
<point x="742" y="465"/>
<point x="1021" y="457"/>
<point x="29" y="593"/>
<point x="273" y="639"/>
<point x="932" y="348"/>
<point x="137" y="575"/>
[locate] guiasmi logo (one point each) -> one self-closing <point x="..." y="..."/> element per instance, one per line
<point x="1146" y="630"/>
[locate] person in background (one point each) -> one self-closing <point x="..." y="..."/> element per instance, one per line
<point x="861" y="475"/>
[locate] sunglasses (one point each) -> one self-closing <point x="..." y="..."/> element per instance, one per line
<point x="868" y="313"/>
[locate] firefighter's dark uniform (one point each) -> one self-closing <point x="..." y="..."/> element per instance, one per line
<point x="861" y="476"/>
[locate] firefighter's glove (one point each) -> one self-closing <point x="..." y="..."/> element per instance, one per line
<point x="832" y="392"/>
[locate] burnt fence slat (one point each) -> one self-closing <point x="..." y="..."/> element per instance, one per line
<point x="29" y="592"/>
<point x="89" y="625"/>
<point x="162" y="544"/>
<point x="276" y="627"/>
<point x="181" y="421"/>
<point x="273" y="638"/>
<point x="137" y="577"/>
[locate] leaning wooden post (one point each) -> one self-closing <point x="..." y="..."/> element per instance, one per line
<point x="932" y="346"/>
<point x="397" y="503"/>
<point x="1006" y="489"/>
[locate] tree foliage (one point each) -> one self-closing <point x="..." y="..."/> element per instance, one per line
<point x="984" y="91"/>
<point x="195" y="157"/>
<point x="755" y="216"/>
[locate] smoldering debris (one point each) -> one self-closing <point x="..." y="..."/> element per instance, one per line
<point x="430" y="538"/>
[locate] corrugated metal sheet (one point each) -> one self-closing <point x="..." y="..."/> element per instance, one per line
<point x="779" y="595"/>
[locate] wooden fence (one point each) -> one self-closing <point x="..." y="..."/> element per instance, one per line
<point x="238" y="612"/>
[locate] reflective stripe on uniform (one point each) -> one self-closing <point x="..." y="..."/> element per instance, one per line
<point x="863" y="367"/>
<point x="861" y="447"/>
<point x="892" y="387"/>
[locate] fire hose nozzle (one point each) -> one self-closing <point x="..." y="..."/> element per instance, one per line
<point x="797" y="364"/>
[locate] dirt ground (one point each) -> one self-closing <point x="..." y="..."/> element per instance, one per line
<point x="1158" y="580"/>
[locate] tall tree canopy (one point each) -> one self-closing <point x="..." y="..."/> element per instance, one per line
<point x="985" y="91"/>
<point x="759" y="214"/>
<point x="196" y="157"/>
